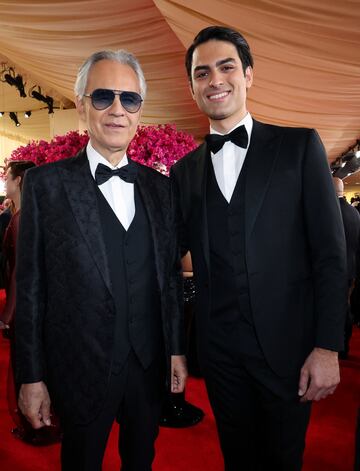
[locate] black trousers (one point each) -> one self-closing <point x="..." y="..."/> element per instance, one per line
<point x="134" y="400"/>
<point x="260" y="420"/>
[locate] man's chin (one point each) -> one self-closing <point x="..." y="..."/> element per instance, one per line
<point x="216" y="113"/>
<point x="217" y="117"/>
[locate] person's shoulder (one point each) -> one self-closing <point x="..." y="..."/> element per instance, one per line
<point x="349" y="208"/>
<point x="51" y="168"/>
<point x="190" y="158"/>
<point x="291" y="131"/>
<point x="152" y="174"/>
<point x="5" y="215"/>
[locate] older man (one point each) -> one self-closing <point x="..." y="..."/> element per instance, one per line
<point x="99" y="292"/>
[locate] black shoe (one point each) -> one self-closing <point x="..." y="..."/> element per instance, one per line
<point x="37" y="437"/>
<point x="181" y="414"/>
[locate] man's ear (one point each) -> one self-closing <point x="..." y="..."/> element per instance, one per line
<point x="249" y="76"/>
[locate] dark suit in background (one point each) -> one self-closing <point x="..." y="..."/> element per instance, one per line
<point x="351" y="220"/>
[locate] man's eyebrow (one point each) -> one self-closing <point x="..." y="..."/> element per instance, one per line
<point x="224" y="61"/>
<point x="201" y="67"/>
<point x="218" y="64"/>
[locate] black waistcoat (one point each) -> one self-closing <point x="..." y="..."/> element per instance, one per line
<point x="134" y="284"/>
<point x="230" y="294"/>
<point x="230" y="311"/>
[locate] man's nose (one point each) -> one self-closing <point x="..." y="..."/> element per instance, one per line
<point x="116" y="107"/>
<point x="216" y="79"/>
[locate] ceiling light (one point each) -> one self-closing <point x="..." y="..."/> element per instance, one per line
<point x="45" y="99"/>
<point x="357" y="154"/>
<point x="27" y="114"/>
<point x="1" y="114"/>
<point x="15" y="81"/>
<point x="14" y="117"/>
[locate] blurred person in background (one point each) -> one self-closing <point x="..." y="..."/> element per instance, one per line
<point x="7" y="210"/>
<point x="351" y="220"/>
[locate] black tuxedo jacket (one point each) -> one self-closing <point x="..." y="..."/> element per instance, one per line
<point x="294" y="247"/>
<point x="65" y="315"/>
<point x="351" y="220"/>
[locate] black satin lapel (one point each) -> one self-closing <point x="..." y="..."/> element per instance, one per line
<point x="197" y="202"/>
<point x="153" y="205"/>
<point x="81" y="192"/>
<point x="260" y="160"/>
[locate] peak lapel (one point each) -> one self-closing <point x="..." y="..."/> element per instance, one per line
<point x="261" y="158"/>
<point x="197" y="200"/>
<point x="81" y="192"/>
<point x="153" y="198"/>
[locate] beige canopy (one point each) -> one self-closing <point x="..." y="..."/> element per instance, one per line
<point x="307" y="58"/>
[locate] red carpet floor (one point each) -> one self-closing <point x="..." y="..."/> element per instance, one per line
<point x="330" y="442"/>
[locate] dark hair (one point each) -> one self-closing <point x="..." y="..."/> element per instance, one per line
<point x="18" y="168"/>
<point x="220" y="33"/>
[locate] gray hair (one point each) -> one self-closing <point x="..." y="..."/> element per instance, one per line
<point x="121" y="56"/>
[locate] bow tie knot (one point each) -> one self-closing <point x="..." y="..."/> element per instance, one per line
<point x="103" y="173"/>
<point x="238" y="136"/>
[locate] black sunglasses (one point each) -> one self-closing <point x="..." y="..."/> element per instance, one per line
<point x="102" y="98"/>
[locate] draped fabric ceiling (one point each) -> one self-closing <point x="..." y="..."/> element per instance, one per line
<point x="307" y="58"/>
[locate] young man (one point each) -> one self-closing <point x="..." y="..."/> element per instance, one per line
<point x="99" y="292"/>
<point x="258" y="212"/>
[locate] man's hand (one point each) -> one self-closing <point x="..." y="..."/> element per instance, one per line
<point x="34" y="403"/>
<point x="178" y="373"/>
<point x="319" y="376"/>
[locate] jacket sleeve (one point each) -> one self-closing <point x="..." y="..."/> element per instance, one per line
<point x="177" y="329"/>
<point x="30" y="288"/>
<point x="325" y="234"/>
<point x="177" y="213"/>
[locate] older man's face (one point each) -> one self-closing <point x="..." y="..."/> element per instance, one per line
<point x="112" y="129"/>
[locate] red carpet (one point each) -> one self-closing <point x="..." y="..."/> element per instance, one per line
<point x="330" y="443"/>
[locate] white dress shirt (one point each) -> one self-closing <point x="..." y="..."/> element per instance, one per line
<point x="118" y="193"/>
<point x="229" y="160"/>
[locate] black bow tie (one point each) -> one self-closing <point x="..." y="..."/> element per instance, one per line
<point x="238" y="136"/>
<point x="126" y="173"/>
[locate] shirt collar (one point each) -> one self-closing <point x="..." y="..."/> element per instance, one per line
<point x="95" y="158"/>
<point x="247" y="121"/>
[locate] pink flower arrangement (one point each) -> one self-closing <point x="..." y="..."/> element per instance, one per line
<point x="157" y="146"/>
<point x="60" y="147"/>
<point x="160" y="146"/>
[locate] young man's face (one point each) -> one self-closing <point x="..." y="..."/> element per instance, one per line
<point x="111" y="129"/>
<point x="218" y="83"/>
